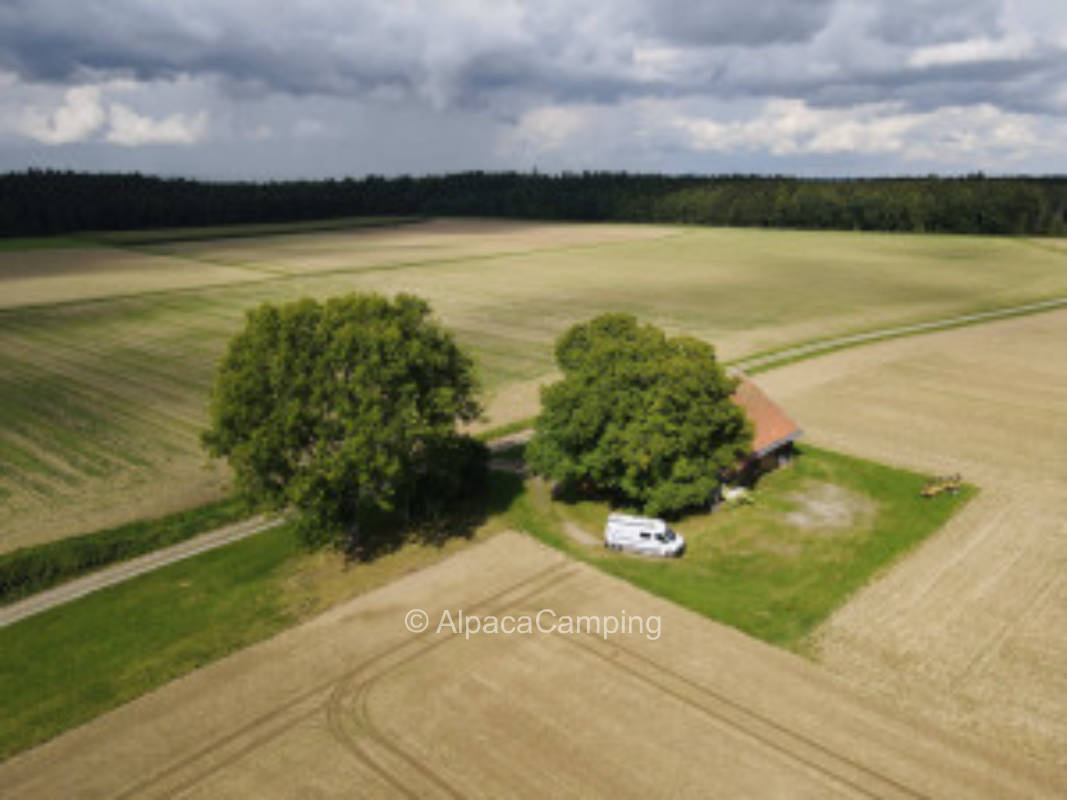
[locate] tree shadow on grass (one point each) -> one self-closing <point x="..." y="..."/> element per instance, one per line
<point x="572" y="493"/>
<point x="387" y="533"/>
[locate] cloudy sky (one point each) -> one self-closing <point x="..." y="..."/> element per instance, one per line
<point x="291" y="88"/>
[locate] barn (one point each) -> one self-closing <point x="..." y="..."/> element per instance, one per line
<point x="774" y="432"/>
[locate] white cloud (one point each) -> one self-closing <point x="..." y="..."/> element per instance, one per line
<point x="972" y="51"/>
<point x="80" y="115"/>
<point x="128" y="128"/>
<point x="785" y="127"/>
<point x="550" y="127"/>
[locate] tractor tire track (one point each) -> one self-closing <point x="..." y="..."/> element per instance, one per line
<point x="282" y="712"/>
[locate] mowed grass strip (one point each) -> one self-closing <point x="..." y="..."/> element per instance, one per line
<point x="818" y="530"/>
<point x="65" y="666"/>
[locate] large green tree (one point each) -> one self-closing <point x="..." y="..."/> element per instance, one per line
<point x="639" y="416"/>
<point x="346" y="411"/>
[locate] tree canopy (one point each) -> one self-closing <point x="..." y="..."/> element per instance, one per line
<point x="346" y="411"/>
<point x="639" y="416"/>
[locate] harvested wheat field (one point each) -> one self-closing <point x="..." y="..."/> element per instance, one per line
<point x="351" y="704"/>
<point x="970" y="631"/>
<point x="103" y="397"/>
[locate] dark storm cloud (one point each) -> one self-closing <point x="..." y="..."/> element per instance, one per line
<point x="291" y="51"/>
<point x="918" y="22"/>
<point x="1023" y="84"/>
<point x="469" y="55"/>
<point x="743" y="22"/>
<point x="314" y="84"/>
<point x="571" y="50"/>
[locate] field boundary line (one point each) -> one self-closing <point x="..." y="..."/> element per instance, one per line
<point x="760" y="362"/>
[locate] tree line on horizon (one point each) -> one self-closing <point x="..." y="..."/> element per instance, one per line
<point x="44" y="202"/>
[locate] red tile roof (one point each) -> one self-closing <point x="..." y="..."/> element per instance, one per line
<point x="771" y="426"/>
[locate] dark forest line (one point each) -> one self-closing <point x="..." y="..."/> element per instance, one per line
<point x="44" y="202"/>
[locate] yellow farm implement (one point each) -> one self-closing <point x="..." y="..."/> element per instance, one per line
<point x="942" y="483"/>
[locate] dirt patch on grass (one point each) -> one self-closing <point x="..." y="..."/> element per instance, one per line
<point x="580" y="534"/>
<point x="828" y="507"/>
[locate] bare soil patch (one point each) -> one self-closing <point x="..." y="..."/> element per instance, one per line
<point x="580" y="534"/>
<point x="828" y="507"/>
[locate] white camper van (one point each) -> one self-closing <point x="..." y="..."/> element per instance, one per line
<point x="642" y="535"/>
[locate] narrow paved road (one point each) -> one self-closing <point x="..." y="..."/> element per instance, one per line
<point x="109" y="576"/>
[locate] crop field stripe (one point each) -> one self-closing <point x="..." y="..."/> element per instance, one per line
<point x="161" y="332"/>
<point x="100" y="449"/>
<point x="26" y="454"/>
<point x="89" y="362"/>
<point x="37" y="422"/>
<point x="149" y="334"/>
<point x="139" y="386"/>
<point x="549" y="575"/>
<point x="21" y="468"/>
<point x="118" y="405"/>
<point x="297" y="275"/>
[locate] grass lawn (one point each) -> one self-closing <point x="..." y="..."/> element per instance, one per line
<point x="819" y="529"/>
<point x="70" y="664"/>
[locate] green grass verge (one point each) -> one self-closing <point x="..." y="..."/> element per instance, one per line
<point x="66" y="666"/>
<point x="33" y="569"/>
<point x="747" y="566"/>
<point x="63" y="667"/>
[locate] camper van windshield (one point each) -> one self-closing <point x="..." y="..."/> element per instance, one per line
<point x="669" y="534"/>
